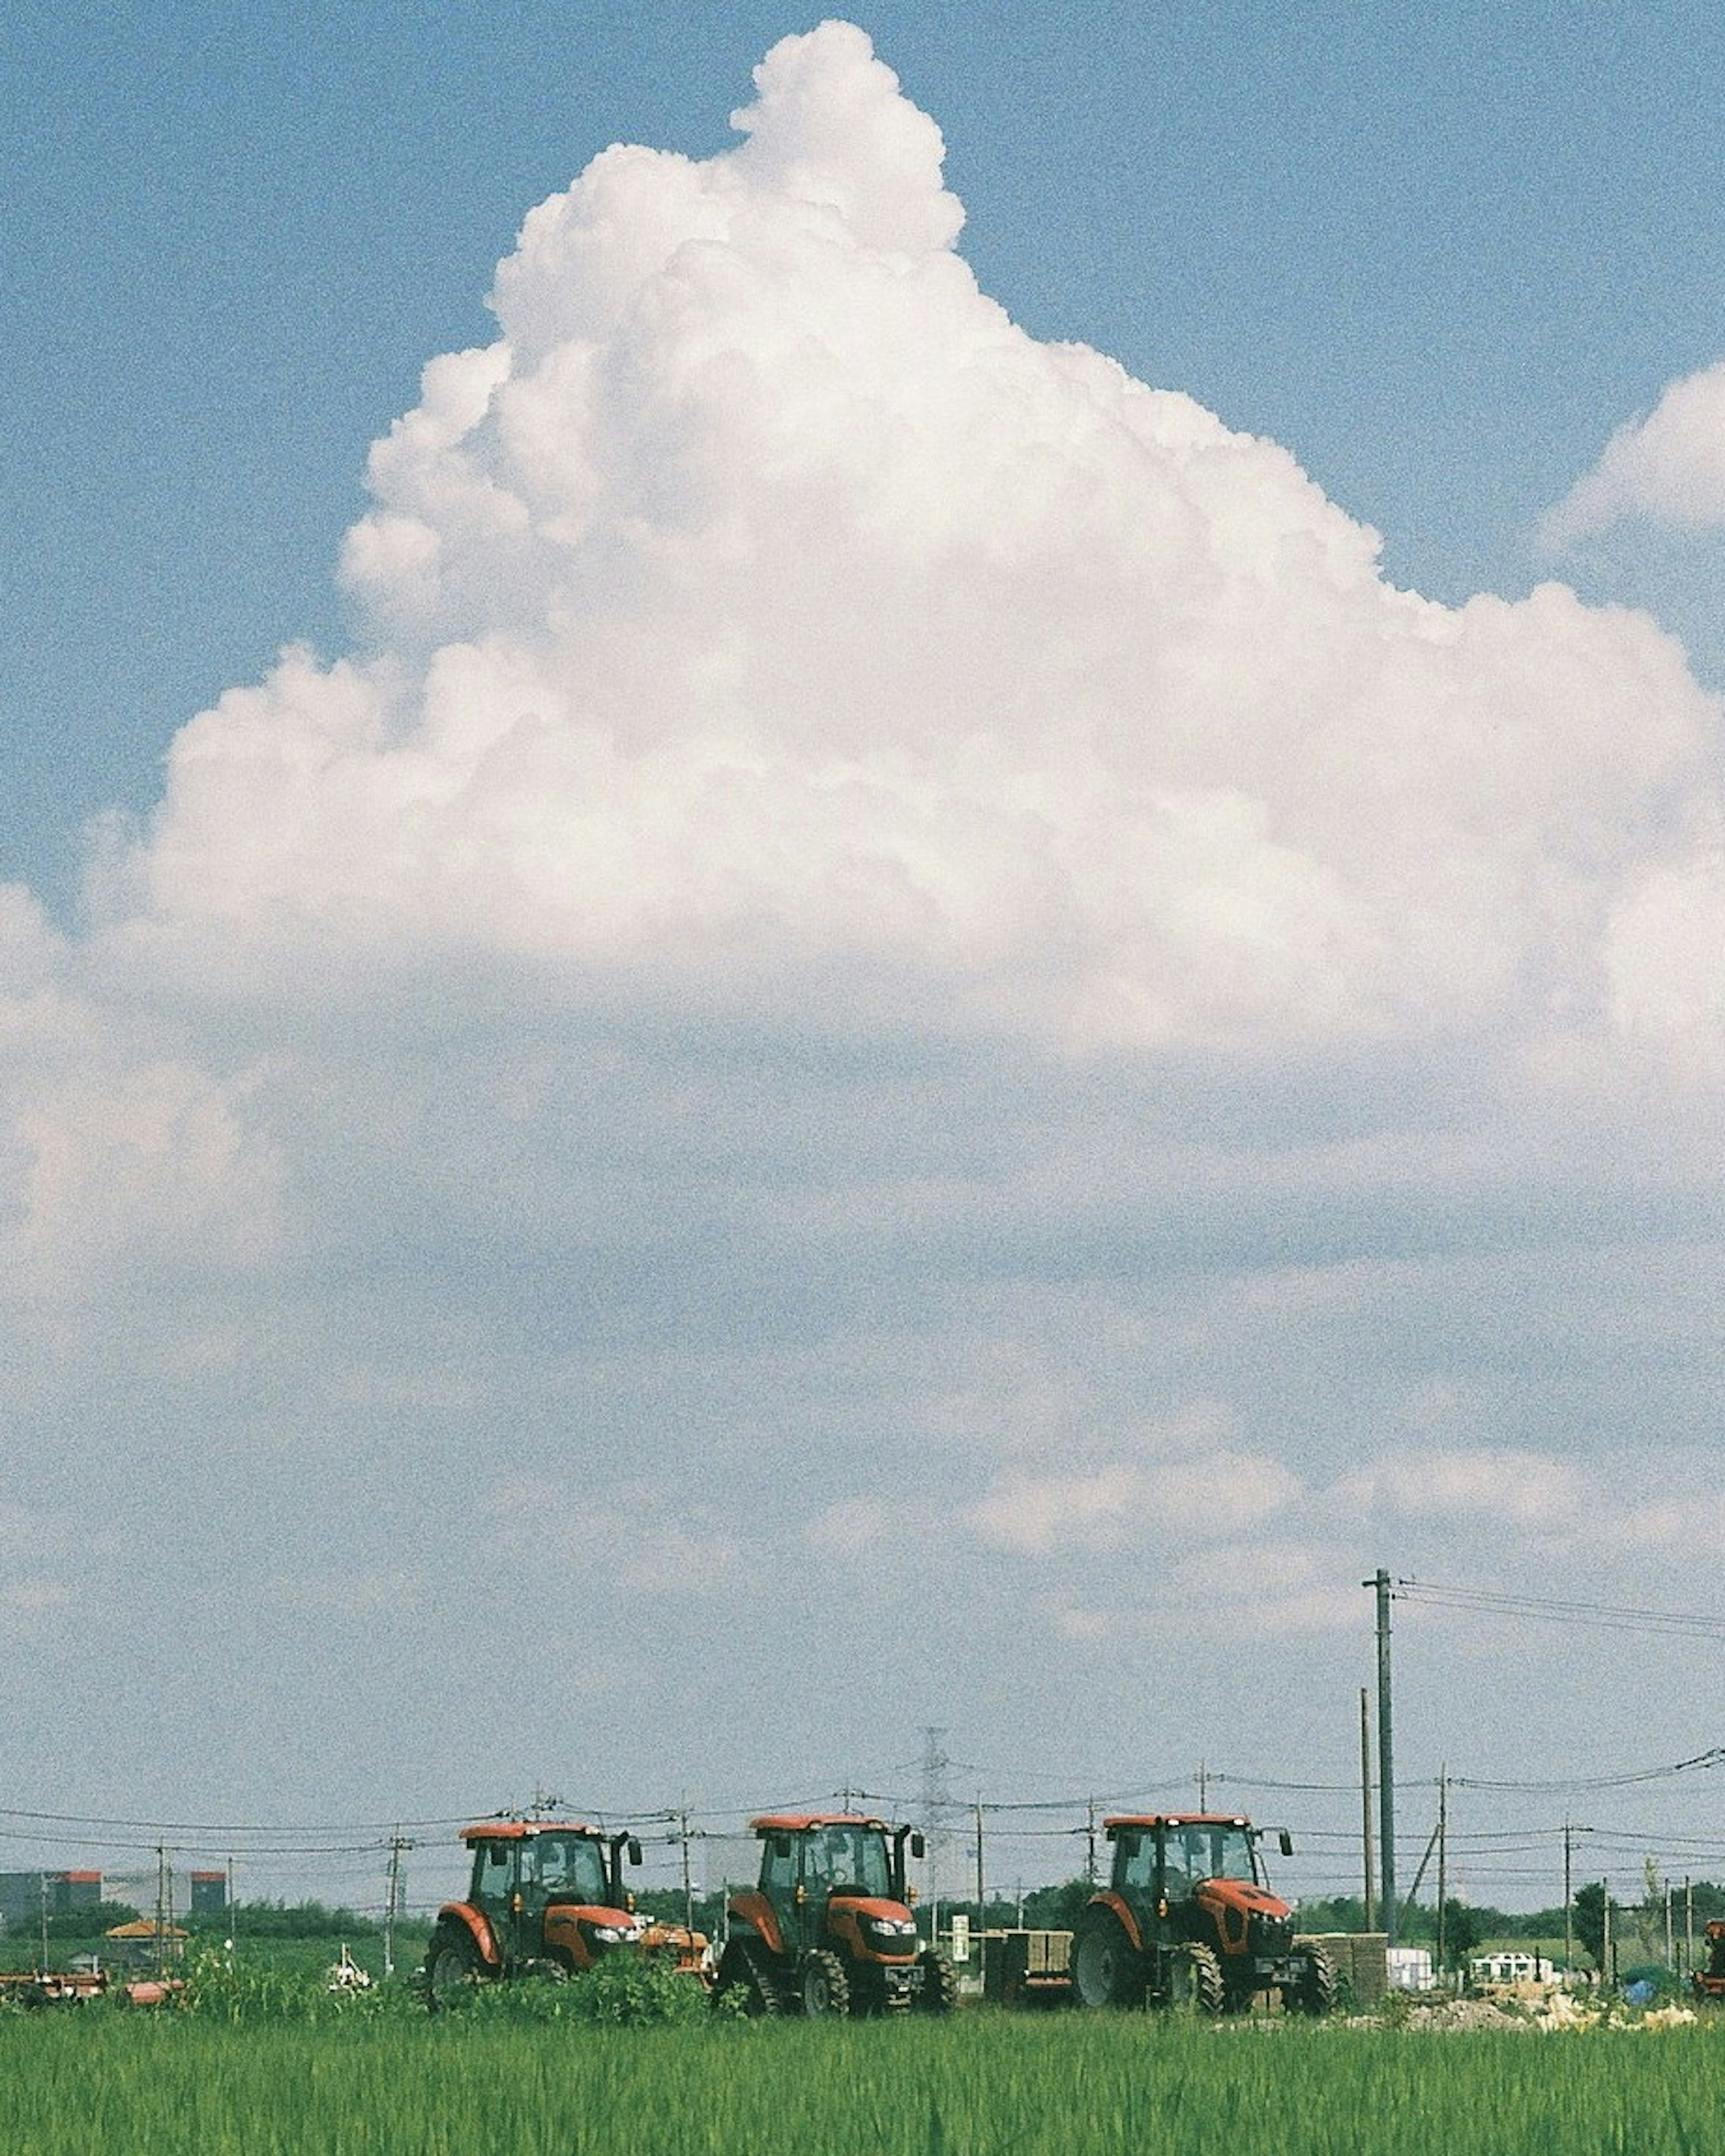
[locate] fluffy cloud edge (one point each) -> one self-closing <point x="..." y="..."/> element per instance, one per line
<point x="1666" y="468"/>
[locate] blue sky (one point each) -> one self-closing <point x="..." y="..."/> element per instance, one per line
<point x="859" y="954"/>
<point x="1438" y="254"/>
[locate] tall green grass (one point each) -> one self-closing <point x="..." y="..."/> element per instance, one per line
<point x="76" y="2082"/>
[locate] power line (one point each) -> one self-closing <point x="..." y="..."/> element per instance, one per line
<point x="1612" y="1616"/>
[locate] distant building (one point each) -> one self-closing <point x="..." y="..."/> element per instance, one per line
<point x="144" y="1945"/>
<point x="209" y="1893"/>
<point x="26" y="1896"/>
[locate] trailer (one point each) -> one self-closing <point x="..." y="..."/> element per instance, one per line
<point x="73" y="1986"/>
<point x="1028" y="1968"/>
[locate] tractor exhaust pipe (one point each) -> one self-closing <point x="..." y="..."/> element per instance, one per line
<point x="619" y="1843"/>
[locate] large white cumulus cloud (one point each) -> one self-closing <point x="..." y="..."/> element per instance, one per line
<point x="765" y="604"/>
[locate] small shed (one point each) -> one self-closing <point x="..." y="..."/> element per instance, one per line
<point x="144" y="1943"/>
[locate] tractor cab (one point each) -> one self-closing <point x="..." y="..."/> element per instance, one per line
<point x="829" y="1926"/>
<point x="1188" y="1917"/>
<point x="549" y="1889"/>
<point x="546" y="1898"/>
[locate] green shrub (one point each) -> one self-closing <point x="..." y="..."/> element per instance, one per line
<point x="626" y="1990"/>
<point x="217" y="1989"/>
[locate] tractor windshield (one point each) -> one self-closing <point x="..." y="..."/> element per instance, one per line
<point x="1206" y="1850"/>
<point x="849" y="1859"/>
<point x="565" y="1868"/>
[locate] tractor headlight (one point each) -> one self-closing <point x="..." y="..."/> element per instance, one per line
<point x="893" y="1928"/>
<point x="609" y="1935"/>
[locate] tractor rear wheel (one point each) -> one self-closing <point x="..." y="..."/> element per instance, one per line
<point x="826" y="1987"/>
<point x="452" y="1968"/>
<point x="1107" y="1971"/>
<point x="1194" y="1979"/>
<point x="939" y="1994"/>
<point x="1314" y="1990"/>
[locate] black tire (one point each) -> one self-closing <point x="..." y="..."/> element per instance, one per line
<point x="1106" y="1969"/>
<point x="452" y="1968"/>
<point x="938" y="1993"/>
<point x="825" y="1987"/>
<point x="1314" y="1990"/>
<point x="1194" y="1979"/>
<point x="742" y="1969"/>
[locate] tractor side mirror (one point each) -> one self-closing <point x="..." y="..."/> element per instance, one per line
<point x="1285" y="1842"/>
<point x="634" y="1849"/>
<point x="917" y="1846"/>
<point x="1131" y="1842"/>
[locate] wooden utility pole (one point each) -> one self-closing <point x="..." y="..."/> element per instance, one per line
<point x="392" y="1900"/>
<point x="1443" y="1858"/>
<point x="1386" y="1760"/>
<point x="164" y="1905"/>
<point x="1365" y="1798"/>
<point x="1569" y="1902"/>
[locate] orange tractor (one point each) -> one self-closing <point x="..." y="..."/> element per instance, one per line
<point x="1187" y="1920"/>
<point x="547" y="1899"/>
<point x="829" y="1928"/>
<point x="1709" y="1983"/>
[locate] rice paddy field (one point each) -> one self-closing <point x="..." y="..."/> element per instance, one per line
<point x="984" y="2084"/>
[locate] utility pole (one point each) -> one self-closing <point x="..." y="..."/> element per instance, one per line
<point x="1568" y="1906"/>
<point x="1443" y="1858"/>
<point x="688" y="1875"/>
<point x="1365" y="1797"/>
<point x="1203" y="1789"/>
<point x="392" y="1899"/>
<point x="164" y="1903"/>
<point x="1605" y="1942"/>
<point x="1090" y="1843"/>
<point x="1386" y="1759"/>
<point x="1688" y="1923"/>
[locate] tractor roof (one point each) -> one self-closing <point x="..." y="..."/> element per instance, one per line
<point x="801" y="1822"/>
<point x="524" y="1830"/>
<point x="1176" y="1818"/>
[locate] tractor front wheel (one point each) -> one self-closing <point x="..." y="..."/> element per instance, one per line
<point x="1313" y="1991"/>
<point x="1194" y="1979"/>
<point x="452" y="1968"/>
<point x="826" y="1987"/>
<point x="1105" y="1970"/>
<point x="939" y="1991"/>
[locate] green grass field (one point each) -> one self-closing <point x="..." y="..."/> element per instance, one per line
<point x="76" y="2081"/>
